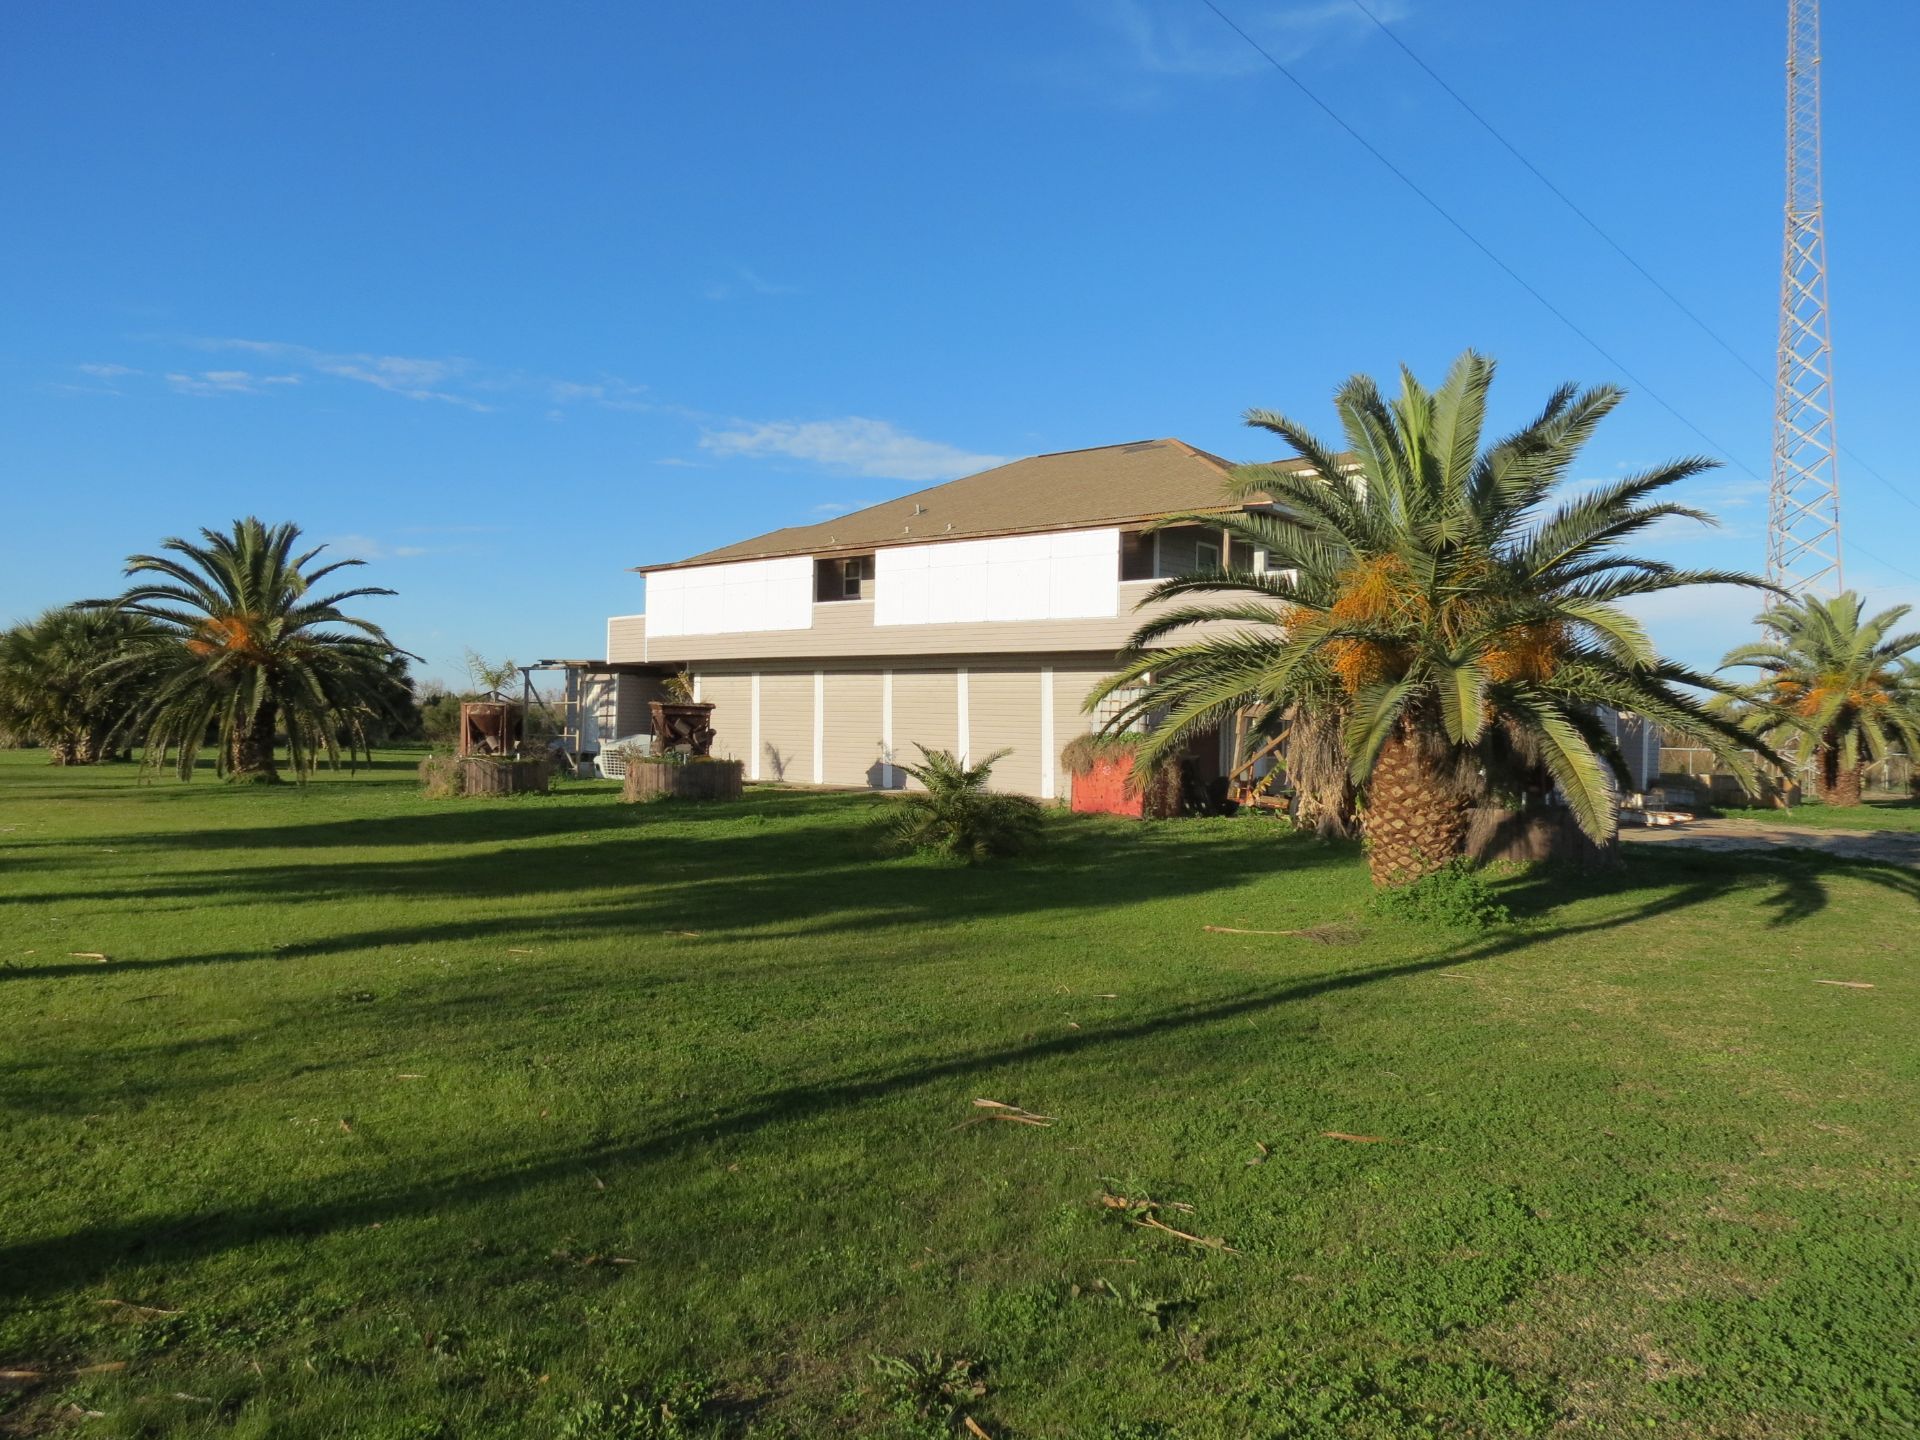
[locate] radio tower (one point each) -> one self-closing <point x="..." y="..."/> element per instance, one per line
<point x="1803" y="509"/>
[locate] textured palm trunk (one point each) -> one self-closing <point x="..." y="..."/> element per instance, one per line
<point x="252" y="755"/>
<point x="60" y="752"/>
<point x="1414" y="821"/>
<point x="1839" y="784"/>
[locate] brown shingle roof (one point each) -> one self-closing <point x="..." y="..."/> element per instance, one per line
<point x="1071" y="489"/>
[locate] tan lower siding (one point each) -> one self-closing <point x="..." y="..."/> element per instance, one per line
<point x="1003" y="711"/>
<point x="925" y="712"/>
<point x="1003" y="708"/>
<point x="731" y="699"/>
<point x="853" y="730"/>
<point x="1070" y="690"/>
<point x="786" y="727"/>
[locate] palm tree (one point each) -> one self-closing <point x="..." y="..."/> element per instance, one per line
<point x="1836" y="688"/>
<point x="1464" y="626"/>
<point x="60" y="685"/>
<point x="243" y="647"/>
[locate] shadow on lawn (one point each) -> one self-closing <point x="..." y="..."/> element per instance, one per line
<point x="719" y="881"/>
<point x="788" y="866"/>
<point x="1792" y="885"/>
<point x="55" y="1263"/>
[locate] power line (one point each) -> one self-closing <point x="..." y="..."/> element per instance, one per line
<point x="1473" y="239"/>
<point x="1857" y="548"/>
<point x="1598" y="229"/>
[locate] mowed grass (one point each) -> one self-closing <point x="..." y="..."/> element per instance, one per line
<point x="558" y="1117"/>
<point x="1875" y="814"/>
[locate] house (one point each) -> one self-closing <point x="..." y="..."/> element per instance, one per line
<point x="974" y="616"/>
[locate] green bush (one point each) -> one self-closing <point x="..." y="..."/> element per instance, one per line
<point x="1455" y="897"/>
<point x="958" y="816"/>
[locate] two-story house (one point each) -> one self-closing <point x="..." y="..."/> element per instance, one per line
<point x="973" y="616"/>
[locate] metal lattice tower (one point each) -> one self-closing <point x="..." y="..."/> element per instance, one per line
<point x="1803" y="512"/>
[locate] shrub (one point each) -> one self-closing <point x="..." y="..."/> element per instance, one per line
<point x="1455" y="897"/>
<point x="440" y="777"/>
<point x="958" y="816"/>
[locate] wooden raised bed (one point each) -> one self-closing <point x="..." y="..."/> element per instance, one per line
<point x="490" y="775"/>
<point x="691" y="780"/>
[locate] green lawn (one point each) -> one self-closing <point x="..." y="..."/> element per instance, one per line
<point x="1900" y="814"/>
<point x="560" y="1117"/>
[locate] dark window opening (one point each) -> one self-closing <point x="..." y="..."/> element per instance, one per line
<point x="1136" y="555"/>
<point x="844" y="577"/>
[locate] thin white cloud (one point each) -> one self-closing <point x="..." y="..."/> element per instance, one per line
<point x="226" y="382"/>
<point x="106" y="371"/>
<point x="746" y="281"/>
<point x="410" y="376"/>
<point x="1172" y="43"/>
<point x="609" y="392"/>
<point x="367" y="547"/>
<point x="853" y="446"/>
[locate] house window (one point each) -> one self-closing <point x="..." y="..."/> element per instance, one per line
<point x="1137" y="554"/>
<point x="1111" y="708"/>
<point x="1205" y="556"/>
<point x="847" y="577"/>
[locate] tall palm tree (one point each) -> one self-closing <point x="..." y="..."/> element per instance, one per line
<point x="1459" y="608"/>
<point x="244" y="647"/>
<point x="62" y="685"/>
<point x="1837" y="687"/>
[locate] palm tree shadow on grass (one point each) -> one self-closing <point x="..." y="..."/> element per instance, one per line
<point x="788" y="881"/>
<point x="51" y="1264"/>
<point x="1791" y="885"/>
<point x="1794" y="890"/>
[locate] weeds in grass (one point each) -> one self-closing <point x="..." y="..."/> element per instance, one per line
<point x="1455" y="897"/>
<point x="932" y="1390"/>
<point x="680" y="1408"/>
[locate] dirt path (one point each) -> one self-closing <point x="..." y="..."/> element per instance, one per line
<point x="1889" y="847"/>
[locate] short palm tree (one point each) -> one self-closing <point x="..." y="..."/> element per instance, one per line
<point x="1837" y="687"/>
<point x="62" y="685"/>
<point x="243" y="647"/>
<point x="1457" y="608"/>
<point x="956" y="815"/>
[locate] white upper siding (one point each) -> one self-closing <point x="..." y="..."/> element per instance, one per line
<point x="1065" y="576"/>
<point x="736" y="599"/>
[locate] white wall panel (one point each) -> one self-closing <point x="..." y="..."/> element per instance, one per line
<point x="1067" y="576"/>
<point x="732" y="599"/>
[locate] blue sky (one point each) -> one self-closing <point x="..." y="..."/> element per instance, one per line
<point x="510" y="298"/>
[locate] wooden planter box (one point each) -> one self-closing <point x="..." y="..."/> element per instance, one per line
<point x="485" y="775"/>
<point x="695" y="780"/>
<point x="1548" y="833"/>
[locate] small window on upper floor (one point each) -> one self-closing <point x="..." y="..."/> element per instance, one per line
<point x="1136" y="555"/>
<point x="844" y="577"/>
<point x="1205" y="557"/>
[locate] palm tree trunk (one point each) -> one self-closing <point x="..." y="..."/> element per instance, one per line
<point x="1414" y="821"/>
<point x="251" y="757"/>
<point x="1839" y="784"/>
<point x="1846" y="786"/>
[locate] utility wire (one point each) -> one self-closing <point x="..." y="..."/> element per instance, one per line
<point x="1595" y="226"/>
<point x="1474" y="240"/>
<point x="1508" y="270"/>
